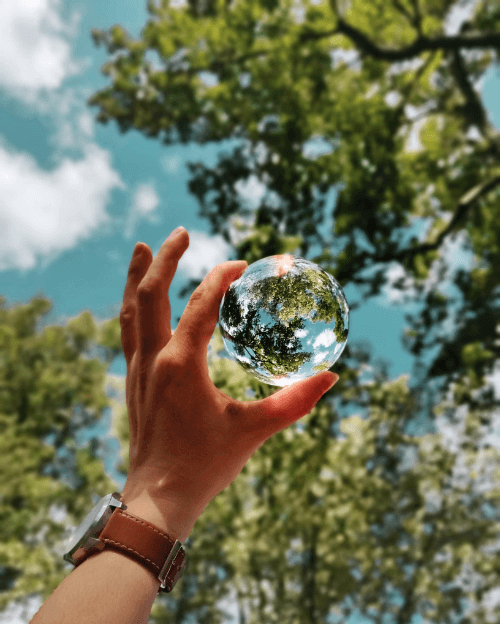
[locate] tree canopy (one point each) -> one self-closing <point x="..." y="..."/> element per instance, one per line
<point x="362" y="77"/>
<point x="51" y="389"/>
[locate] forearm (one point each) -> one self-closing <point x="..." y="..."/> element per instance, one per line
<point x="106" y="587"/>
<point x="109" y="586"/>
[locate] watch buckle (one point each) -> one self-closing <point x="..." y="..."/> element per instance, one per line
<point x="168" y="563"/>
<point x="93" y="542"/>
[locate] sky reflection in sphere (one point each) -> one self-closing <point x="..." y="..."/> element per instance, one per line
<point x="284" y="320"/>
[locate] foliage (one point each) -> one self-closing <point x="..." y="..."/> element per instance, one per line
<point x="50" y="391"/>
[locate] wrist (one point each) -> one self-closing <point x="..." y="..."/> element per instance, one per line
<point x="175" y="518"/>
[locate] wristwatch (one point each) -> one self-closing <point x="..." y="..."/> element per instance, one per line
<point x="110" y="526"/>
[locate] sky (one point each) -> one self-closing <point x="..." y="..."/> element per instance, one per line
<point x="75" y="196"/>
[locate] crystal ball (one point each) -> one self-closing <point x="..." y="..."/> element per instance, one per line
<point x="284" y="320"/>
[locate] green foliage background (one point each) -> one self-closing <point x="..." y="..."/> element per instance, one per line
<point x="365" y="512"/>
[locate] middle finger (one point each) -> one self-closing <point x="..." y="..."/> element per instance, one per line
<point x="153" y="304"/>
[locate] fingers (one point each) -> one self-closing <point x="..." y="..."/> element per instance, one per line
<point x="153" y="304"/>
<point x="139" y="264"/>
<point x="283" y="408"/>
<point x="197" y="324"/>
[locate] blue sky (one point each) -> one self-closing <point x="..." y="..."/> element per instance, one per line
<point x="75" y="196"/>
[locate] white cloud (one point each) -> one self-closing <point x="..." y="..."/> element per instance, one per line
<point x="34" y="54"/>
<point x="202" y="255"/>
<point x="86" y="124"/>
<point x="145" y="202"/>
<point x="325" y="339"/>
<point x="393" y="295"/>
<point x="146" y="199"/>
<point x="44" y="213"/>
<point x="252" y="190"/>
<point x="74" y="128"/>
<point x="35" y="60"/>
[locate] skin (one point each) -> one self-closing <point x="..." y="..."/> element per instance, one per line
<point x="189" y="440"/>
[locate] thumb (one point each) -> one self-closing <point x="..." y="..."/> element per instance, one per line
<point x="283" y="408"/>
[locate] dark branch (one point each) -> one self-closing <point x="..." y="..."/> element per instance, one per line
<point x="422" y="44"/>
<point x="418" y="17"/>
<point x="464" y="205"/>
<point x="404" y="11"/>
<point x="312" y="35"/>
<point x="219" y="64"/>
<point x="473" y="109"/>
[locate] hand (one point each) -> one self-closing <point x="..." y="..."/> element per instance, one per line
<point x="187" y="438"/>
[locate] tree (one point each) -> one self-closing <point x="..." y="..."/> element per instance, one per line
<point x="282" y="80"/>
<point x="379" y="532"/>
<point x="50" y="391"/>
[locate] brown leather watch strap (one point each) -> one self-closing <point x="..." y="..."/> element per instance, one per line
<point x="144" y="542"/>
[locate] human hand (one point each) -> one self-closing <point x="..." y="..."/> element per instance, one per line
<point x="189" y="440"/>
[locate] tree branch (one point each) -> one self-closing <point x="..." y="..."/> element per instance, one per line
<point x="218" y="64"/>
<point x="464" y="205"/>
<point x="404" y="11"/>
<point x="473" y="110"/>
<point x="418" y="16"/>
<point x="421" y="44"/>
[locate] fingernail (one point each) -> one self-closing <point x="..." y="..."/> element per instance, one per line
<point x="176" y="232"/>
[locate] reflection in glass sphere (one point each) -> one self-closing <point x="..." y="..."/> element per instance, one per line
<point x="284" y="320"/>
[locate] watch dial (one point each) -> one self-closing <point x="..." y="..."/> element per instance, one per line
<point x="88" y="524"/>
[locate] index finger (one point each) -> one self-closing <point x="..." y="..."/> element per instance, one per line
<point x="198" y="322"/>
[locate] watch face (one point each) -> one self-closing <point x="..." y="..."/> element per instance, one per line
<point x="90" y="526"/>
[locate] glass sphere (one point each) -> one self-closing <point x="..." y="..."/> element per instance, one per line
<point x="284" y="320"/>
